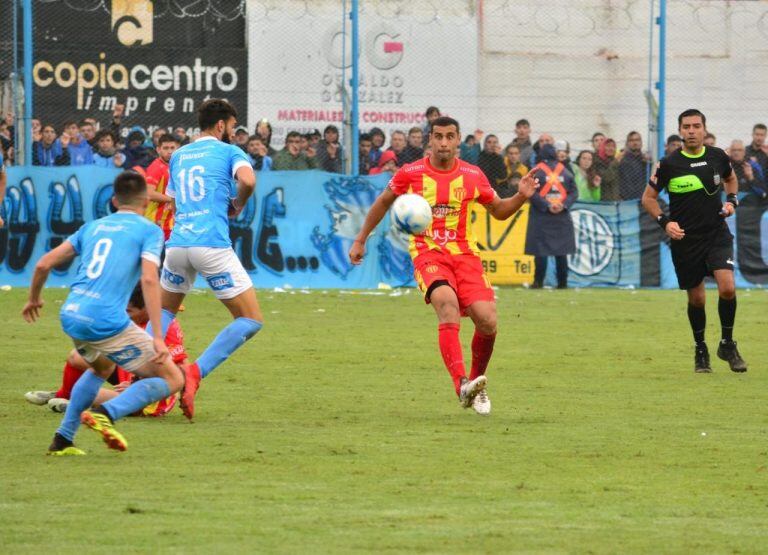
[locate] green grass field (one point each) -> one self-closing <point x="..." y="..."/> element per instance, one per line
<point x="336" y="431"/>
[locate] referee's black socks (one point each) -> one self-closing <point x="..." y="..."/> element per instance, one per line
<point x="727" y="310"/>
<point x="697" y="316"/>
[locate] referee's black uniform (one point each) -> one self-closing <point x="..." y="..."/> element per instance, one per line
<point x="694" y="184"/>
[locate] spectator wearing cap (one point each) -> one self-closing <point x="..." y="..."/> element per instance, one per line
<point x="544" y="139"/>
<point x="748" y="172"/>
<point x="106" y="155"/>
<point x="550" y="228"/>
<point x="135" y="151"/>
<point x="431" y="114"/>
<point x="257" y="154"/>
<point x="563" y="153"/>
<point x="469" y="150"/>
<point x="522" y="139"/>
<point x="241" y="138"/>
<point x="264" y="130"/>
<point x="674" y="142"/>
<point x="710" y="140"/>
<point x="80" y="152"/>
<point x="491" y="162"/>
<point x="48" y="151"/>
<point x="387" y="163"/>
<point x="364" y="144"/>
<point x="291" y="158"/>
<point x="413" y="150"/>
<point x="377" y="145"/>
<point x="397" y="142"/>
<point x="607" y="167"/>
<point x="586" y="178"/>
<point x="329" y="150"/>
<point x="634" y="168"/>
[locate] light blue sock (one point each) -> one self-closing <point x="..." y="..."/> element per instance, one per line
<point x="166" y="318"/>
<point x="82" y="397"/>
<point x="227" y="342"/>
<point x="138" y="395"/>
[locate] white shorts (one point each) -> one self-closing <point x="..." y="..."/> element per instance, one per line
<point x="131" y="349"/>
<point x="220" y="267"/>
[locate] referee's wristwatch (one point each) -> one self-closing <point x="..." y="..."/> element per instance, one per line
<point x="662" y="219"/>
<point x="733" y="199"/>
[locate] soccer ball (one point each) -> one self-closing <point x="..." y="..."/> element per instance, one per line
<point x="412" y="213"/>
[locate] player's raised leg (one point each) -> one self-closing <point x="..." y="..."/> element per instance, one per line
<point x="726" y="308"/>
<point x="483" y="315"/>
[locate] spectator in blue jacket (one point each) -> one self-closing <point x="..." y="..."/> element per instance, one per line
<point x="80" y="152"/>
<point x="469" y="150"/>
<point x="106" y="155"/>
<point x="377" y="144"/>
<point x="257" y="154"/>
<point x="748" y="172"/>
<point x="48" y="150"/>
<point x="136" y="153"/>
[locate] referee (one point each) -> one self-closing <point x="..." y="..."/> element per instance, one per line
<point x="701" y="243"/>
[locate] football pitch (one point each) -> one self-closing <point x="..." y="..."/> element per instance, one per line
<point x="335" y="430"/>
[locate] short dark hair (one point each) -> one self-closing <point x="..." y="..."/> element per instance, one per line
<point x="674" y="138"/>
<point x="759" y="126"/>
<point x="292" y="134"/>
<point x="137" y="297"/>
<point x="212" y="111"/>
<point x="168" y="138"/>
<point x="445" y="121"/>
<point x="84" y="122"/>
<point x="432" y="110"/>
<point x="523" y="121"/>
<point x="255" y="138"/>
<point x="129" y="185"/>
<point x="632" y="133"/>
<point x="413" y="130"/>
<point x="331" y="128"/>
<point x="68" y="122"/>
<point x="691" y="112"/>
<point x="710" y="136"/>
<point x="597" y="134"/>
<point x="364" y="137"/>
<point x="42" y="127"/>
<point x="101" y="133"/>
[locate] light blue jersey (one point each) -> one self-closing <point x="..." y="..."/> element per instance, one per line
<point x="111" y="250"/>
<point x="201" y="181"/>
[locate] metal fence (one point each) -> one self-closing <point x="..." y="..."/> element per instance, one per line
<point x="371" y="68"/>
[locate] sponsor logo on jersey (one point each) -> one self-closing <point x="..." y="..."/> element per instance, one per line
<point x="460" y="193"/>
<point x="697" y="164"/>
<point x="444" y="211"/>
<point x="431" y="269"/>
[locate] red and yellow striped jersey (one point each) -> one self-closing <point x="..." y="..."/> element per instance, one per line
<point x="159" y="212"/>
<point x="451" y="194"/>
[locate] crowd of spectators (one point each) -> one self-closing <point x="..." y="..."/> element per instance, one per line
<point x="605" y="172"/>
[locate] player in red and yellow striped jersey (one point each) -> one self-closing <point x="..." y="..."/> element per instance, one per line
<point x="446" y="264"/>
<point x="159" y="208"/>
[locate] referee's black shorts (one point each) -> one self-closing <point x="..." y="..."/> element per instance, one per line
<point x="698" y="256"/>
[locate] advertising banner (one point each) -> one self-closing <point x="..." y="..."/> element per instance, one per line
<point x="296" y="58"/>
<point x="298" y="227"/>
<point x="158" y="59"/>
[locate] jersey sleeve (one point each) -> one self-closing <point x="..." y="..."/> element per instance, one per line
<point x="659" y="180"/>
<point x="486" y="192"/>
<point x="174" y="340"/>
<point x="400" y="182"/>
<point x="170" y="188"/>
<point x="154" y="175"/>
<point x="77" y="239"/>
<point x="238" y="159"/>
<point x="152" y="246"/>
<point x="725" y="165"/>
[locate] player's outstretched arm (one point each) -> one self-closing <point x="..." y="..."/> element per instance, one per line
<point x="501" y="209"/>
<point x="61" y="254"/>
<point x="375" y="214"/>
<point x="150" y="288"/>
<point x="246" y="185"/>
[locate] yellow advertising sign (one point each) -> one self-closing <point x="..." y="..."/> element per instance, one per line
<point x="502" y="246"/>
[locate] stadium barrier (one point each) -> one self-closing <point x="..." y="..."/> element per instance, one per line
<point x="298" y="227"/>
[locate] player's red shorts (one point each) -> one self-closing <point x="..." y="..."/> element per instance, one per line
<point x="463" y="272"/>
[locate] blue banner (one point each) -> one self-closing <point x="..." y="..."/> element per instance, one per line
<point x="298" y="227"/>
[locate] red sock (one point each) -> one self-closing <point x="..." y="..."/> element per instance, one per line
<point x="68" y="381"/>
<point x="482" y="349"/>
<point x="450" y="348"/>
